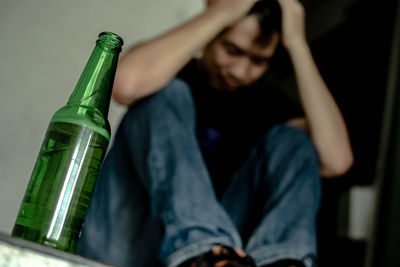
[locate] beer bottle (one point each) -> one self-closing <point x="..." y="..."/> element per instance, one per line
<point x="56" y="200"/>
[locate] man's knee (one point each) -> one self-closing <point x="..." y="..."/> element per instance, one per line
<point x="176" y="94"/>
<point x="177" y="90"/>
<point x="291" y="159"/>
<point x="285" y="137"/>
<point x="288" y="144"/>
<point x="173" y="101"/>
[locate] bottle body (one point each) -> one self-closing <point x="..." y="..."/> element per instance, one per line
<point x="57" y="199"/>
<point x="58" y="195"/>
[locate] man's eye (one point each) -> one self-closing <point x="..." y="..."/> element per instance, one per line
<point x="232" y="50"/>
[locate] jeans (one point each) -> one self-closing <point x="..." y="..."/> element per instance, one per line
<point x="154" y="202"/>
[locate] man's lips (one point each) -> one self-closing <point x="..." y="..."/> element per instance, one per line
<point x="228" y="85"/>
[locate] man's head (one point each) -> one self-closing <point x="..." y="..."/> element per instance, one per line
<point x="240" y="55"/>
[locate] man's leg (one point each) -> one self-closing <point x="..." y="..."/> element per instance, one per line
<point x="274" y="198"/>
<point x="154" y="179"/>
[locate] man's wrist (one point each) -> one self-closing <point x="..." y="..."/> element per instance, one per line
<point x="297" y="46"/>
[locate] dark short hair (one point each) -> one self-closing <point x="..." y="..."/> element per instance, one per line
<point x="269" y="16"/>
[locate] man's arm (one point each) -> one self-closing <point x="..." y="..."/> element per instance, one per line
<point x="148" y="67"/>
<point x="322" y="115"/>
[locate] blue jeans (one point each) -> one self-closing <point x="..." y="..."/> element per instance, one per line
<point x="154" y="202"/>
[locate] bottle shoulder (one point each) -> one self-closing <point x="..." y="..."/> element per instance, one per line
<point x="85" y="116"/>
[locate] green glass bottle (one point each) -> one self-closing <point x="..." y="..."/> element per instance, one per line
<point x="56" y="201"/>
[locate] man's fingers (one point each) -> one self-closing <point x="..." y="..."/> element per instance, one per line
<point x="240" y="252"/>
<point x="216" y="250"/>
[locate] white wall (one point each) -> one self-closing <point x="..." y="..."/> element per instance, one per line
<point x="44" y="45"/>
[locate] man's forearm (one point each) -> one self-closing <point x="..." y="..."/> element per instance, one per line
<point x="326" y="124"/>
<point x="324" y="119"/>
<point x="151" y="65"/>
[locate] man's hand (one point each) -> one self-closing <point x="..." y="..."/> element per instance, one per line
<point x="234" y="9"/>
<point x="293" y="20"/>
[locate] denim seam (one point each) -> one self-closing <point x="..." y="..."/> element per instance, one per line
<point x="267" y="255"/>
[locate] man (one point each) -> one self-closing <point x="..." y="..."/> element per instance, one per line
<point x="213" y="168"/>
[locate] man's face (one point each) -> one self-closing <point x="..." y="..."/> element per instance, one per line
<point x="234" y="60"/>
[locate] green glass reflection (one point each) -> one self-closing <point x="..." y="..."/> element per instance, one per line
<point x="58" y="195"/>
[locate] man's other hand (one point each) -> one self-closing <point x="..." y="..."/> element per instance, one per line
<point x="293" y="23"/>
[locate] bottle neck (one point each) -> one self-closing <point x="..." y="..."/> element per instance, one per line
<point x="93" y="90"/>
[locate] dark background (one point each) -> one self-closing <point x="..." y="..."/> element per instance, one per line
<point x="352" y="43"/>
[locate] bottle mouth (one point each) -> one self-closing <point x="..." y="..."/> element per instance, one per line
<point x="110" y="41"/>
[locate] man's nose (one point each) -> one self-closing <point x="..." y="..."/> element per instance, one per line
<point x="239" y="69"/>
